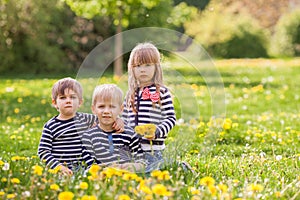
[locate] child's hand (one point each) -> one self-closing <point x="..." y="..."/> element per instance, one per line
<point x="66" y="171"/>
<point x="119" y="125"/>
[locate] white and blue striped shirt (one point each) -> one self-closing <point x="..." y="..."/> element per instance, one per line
<point x="61" y="143"/>
<point x="161" y="114"/>
<point x="106" y="148"/>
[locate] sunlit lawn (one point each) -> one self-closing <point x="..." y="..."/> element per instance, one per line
<point x="242" y="139"/>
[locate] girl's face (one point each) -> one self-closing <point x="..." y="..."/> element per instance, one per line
<point x="67" y="104"/>
<point x="144" y="74"/>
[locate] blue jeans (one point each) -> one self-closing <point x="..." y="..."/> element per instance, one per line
<point x="154" y="161"/>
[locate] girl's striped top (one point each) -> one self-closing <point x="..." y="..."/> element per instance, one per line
<point x="161" y="114"/>
<point x="61" y="143"/>
<point x="106" y="148"/>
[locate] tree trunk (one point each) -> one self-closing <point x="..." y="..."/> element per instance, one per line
<point x="118" y="63"/>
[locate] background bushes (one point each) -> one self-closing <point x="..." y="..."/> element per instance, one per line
<point x="286" y="39"/>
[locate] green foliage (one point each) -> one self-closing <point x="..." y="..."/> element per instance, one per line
<point x="228" y="35"/>
<point x="30" y="36"/>
<point x="286" y="39"/>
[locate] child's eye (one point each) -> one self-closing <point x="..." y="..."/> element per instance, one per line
<point x="62" y="97"/>
<point x="73" y="97"/>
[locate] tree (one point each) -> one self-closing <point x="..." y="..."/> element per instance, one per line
<point x="120" y="11"/>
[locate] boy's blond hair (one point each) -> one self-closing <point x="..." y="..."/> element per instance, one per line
<point x="66" y="83"/>
<point x="107" y="92"/>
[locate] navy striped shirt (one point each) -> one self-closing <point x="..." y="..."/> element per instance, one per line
<point x="60" y="142"/>
<point x="162" y="115"/>
<point x="106" y="148"/>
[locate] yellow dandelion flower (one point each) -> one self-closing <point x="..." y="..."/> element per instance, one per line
<point x="3" y="180"/>
<point x="207" y="181"/>
<point x="15" y="180"/>
<point x="66" y="195"/>
<point x="227" y="124"/>
<point x="277" y="194"/>
<point x="222" y="187"/>
<point x="16" y="110"/>
<point x="20" y="100"/>
<point x="145" y="188"/>
<point x="2" y="193"/>
<point x="43" y="101"/>
<point x="37" y="170"/>
<point x="212" y="189"/>
<point x="94" y="169"/>
<point x="161" y="190"/>
<point x="83" y="185"/>
<point x="194" y="191"/>
<point x="255" y="188"/>
<point x="123" y="197"/>
<point x="11" y="196"/>
<point x="148" y="197"/>
<point x="87" y="197"/>
<point x="1" y="163"/>
<point x="54" y="187"/>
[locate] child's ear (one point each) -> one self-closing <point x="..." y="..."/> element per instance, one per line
<point x="93" y="109"/>
<point x="80" y="102"/>
<point x="54" y="104"/>
<point x="122" y="107"/>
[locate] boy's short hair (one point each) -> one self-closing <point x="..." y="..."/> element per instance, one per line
<point x="66" y="83"/>
<point x="107" y="92"/>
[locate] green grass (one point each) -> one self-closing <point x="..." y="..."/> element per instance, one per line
<point x="254" y="154"/>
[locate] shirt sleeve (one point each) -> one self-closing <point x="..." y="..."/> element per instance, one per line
<point x="88" y="153"/>
<point x="45" y="149"/>
<point x="168" y="114"/>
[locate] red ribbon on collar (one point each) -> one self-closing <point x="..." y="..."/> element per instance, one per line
<point x="147" y="95"/>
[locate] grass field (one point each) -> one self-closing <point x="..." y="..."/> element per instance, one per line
<point x="238" y="127"/>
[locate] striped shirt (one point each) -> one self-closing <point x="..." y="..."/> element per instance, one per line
<point x="162" y="115"/>
<point x="106" y="148"/>
<point x="60" y="142"/>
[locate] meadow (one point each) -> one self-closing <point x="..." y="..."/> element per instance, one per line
<point x="239" y="131"/>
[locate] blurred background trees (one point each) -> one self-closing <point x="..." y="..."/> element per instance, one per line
<point x="54" y="36"/>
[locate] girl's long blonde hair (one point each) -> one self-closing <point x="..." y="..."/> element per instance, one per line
<point x="142" y="53"/>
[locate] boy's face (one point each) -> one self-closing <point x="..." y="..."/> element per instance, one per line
<point x="107" y="111"/>
<point x="67" y="104"/>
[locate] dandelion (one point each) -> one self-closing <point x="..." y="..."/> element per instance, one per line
<point x="222" y="187"/>
<point x="160" y="189"/>
<point x="2" y="193"/>
<point x="227" y="124"/>
<point x="11" y="196"/>
<point x="161" y="175"/>
<point x="1" y="163"/>
<point x="66" y="195"/>
<point x="83" y="185"/>
<point x="37" y="170"/>
<point x="87" y="197"/>
<point x="212" y="189"/>
<point x="15" y="180"/>
<point x="3" y="180"/>
<point x="16" y="110"/>
<point x="94" y="169"/>
<point x="207" y="181"/>
<point x="123" y="197"/>
<point x="55" y="170"/>
<point x="255" y="188"/>
<point x="194" y="191"/>
<point x="54" y="187"/>
<point x="277" y="194"/>
<point x="148" y="131"/>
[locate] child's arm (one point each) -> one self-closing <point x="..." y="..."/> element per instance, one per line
<point x="119" y="125"/>
<point x="87" y="150"/>
<point x="44" y="149"/>
<point x="168" y="114"/>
